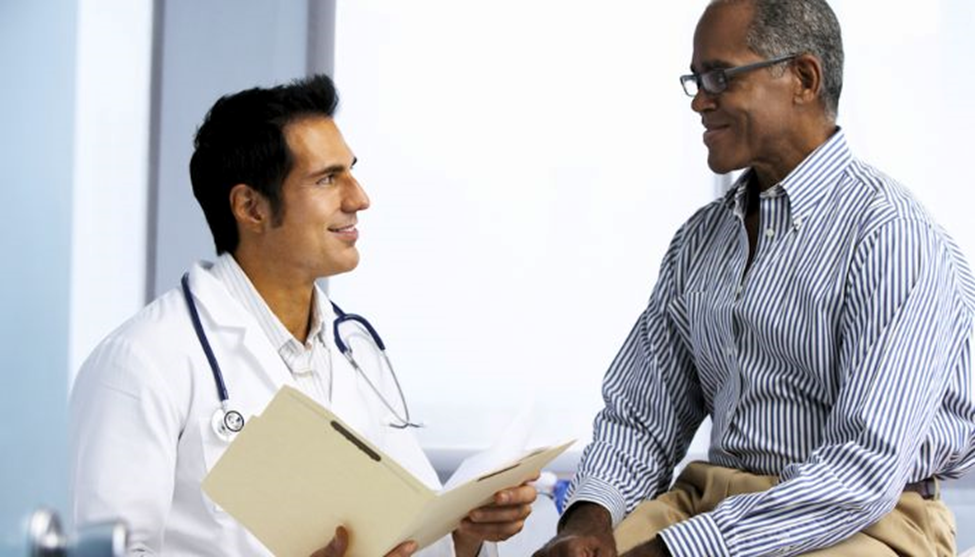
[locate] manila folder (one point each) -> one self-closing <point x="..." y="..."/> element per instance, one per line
<point x="296" y="472"/>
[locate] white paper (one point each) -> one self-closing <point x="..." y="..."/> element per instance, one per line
<point x="511" y="444"/>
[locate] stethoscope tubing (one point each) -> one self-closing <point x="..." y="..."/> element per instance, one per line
<point x="204" y="342"/>
<point x="342" y="317"/>
<point x="231" y="421"/>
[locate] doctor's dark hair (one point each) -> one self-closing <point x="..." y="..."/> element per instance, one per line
<point x="241" y="141"/>
<point x="781" y="27"/>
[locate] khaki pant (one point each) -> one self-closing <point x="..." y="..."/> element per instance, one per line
<point x="916" y="527"/>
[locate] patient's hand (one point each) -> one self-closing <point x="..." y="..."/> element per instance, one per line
<point x="340" y="543"/>
<point x="587" y="531"/>
<point x="497" y="521"/>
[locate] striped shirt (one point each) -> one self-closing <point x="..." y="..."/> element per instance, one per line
<point x="839" y="360"/>
<point x="310" y="363"/>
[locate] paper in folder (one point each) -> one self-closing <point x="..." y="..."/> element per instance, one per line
<point x="296" y="472"/>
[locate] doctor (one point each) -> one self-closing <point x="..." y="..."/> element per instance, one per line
<point x="273" y="176"/>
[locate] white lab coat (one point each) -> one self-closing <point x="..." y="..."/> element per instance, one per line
<point x="141" y="412"/>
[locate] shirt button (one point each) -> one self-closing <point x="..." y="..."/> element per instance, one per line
<point x="769" y="233"/>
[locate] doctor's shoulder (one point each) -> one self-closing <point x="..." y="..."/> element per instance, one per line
<point x="151" y="354"/>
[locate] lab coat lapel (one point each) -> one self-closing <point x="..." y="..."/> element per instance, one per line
<point x="232" y="327"/>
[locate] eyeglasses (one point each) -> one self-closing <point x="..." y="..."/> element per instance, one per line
<point x="714" y="82"/>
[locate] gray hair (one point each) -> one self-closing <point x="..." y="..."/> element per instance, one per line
<point x="781" y="27"/>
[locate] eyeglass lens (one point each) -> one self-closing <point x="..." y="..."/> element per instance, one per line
<point x="712" y="82"/>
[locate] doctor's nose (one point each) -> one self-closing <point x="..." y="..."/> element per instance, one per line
<point x="355" y="198"/>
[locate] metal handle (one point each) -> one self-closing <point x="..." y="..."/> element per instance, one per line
<point x="47" y="539"/>
<point x="44" y="535"/>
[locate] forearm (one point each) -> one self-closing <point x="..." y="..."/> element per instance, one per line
<point x="649" y="417"/>
<point x="631" y="457"/>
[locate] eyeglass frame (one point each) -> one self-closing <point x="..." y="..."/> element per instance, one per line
<point x="727" y="73"/>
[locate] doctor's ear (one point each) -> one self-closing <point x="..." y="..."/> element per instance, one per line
<point x="251" y="210"/>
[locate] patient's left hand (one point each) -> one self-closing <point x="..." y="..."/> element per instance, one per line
<point x="496" y="521"/>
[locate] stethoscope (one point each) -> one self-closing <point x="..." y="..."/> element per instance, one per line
<point x="227" y="422"/>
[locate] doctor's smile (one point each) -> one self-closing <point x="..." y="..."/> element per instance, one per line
<point x="348" y="233"/>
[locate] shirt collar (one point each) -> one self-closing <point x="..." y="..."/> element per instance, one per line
<point x="807" y="185"/>
<point x="229" y="272"/>
<point x="317" y="328"/>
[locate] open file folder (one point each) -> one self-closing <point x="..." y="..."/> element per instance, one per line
<point x="296" y="472"/>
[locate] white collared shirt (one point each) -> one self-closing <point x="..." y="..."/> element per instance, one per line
<point x="310" y="363"/>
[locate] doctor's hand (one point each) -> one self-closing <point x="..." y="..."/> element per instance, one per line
<point x="586" y="532"/>
<point x="497" y="521"/>
<point x="340" y="543"/>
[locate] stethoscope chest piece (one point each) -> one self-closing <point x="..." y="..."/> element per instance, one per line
<point x="227" y="423"/>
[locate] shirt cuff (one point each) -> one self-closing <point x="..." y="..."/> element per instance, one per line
<point x="698" y="535"/>
<point x="594" y="490"/>
<point x="488" y="549"/>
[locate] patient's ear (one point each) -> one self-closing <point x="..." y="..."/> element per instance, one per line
<point x="809" y="78"/>
<point x="251" y="209"/>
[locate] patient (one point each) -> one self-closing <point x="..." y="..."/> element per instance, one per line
<point x="816" y="313"/>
